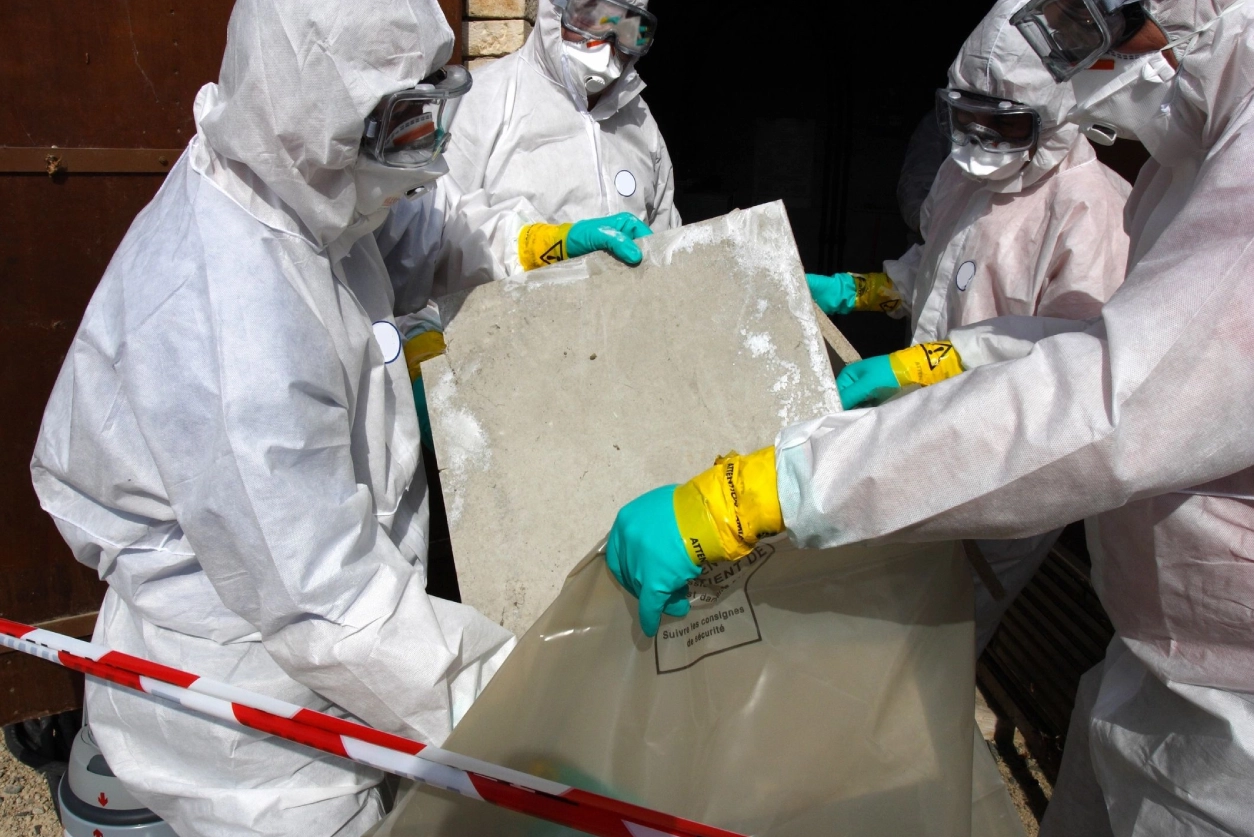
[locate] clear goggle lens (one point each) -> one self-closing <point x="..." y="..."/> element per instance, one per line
<point x="1069" y="35"/>
<point x="629" y="27"/>
<point x="411" y="128"/>
<point x="996" y="124"/>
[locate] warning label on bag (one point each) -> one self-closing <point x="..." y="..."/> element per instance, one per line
<point x="721" y="618"/>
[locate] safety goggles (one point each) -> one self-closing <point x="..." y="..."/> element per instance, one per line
<point x="1069" y="35"/>
<point x="630" y="27"/>
<point x="996" y="124"/>
<point x="409" y="129"/>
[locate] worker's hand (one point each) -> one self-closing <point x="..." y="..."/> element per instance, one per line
<point x="543" y="244"/>
<point x="420" y="346"/>
<point x="842" y="293"/>
<point x="871" y="381"/>
<point x="661" y="539"/>
<point x="835" y="294"/>
<point x="646" y="554"/>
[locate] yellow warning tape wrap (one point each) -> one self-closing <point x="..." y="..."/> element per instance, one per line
<point x="876" y="293"/>
<point x="724" y="511"/>
<point x="541" y="244"/>
<point x="926" y="363"/>
<point x="420" y="347"/>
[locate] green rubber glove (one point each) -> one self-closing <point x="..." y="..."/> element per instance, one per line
<point x="647" y="556"/>
<point x="544" y="244"/>
<point x="836" y="294"/>
<point x="613" y="235"/>
<point x="867" y="381"/>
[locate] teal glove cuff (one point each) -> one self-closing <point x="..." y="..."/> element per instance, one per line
<point x="866" y="382"/>
<point x="646" y="554"/>
<point x="836" y="294"/>
<point x="424" y="419"/>
<point x="613" y="234"/>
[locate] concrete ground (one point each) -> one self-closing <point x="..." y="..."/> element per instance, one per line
<point x="26" y="808"/>
<point x="1029" y="789"/>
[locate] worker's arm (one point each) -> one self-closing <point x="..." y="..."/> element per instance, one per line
<point x="904" y="274"/>
<point x="875" y="379"/>
<point x="844" y="293"/>
<point x="487" y="236"/>
<point x="545" y="244"/>
<point x="1008" y="338"/>
<point x="1153" y="397"/>
<point x="480" y="229"/>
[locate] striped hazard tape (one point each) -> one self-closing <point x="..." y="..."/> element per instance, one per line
<point x="582" y="810"/>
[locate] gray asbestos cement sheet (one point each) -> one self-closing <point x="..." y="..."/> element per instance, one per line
<point x="571" y="390"/>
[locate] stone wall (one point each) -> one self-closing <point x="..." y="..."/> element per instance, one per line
<point x="496" y="27"/>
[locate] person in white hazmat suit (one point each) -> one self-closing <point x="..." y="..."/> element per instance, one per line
<point x="555" y="132"/>
<point x="1139" y="418"/>
<point x="1022" y="219"/>
<point x="232" y="444"/>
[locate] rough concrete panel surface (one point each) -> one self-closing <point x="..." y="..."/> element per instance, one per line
<point x="569" y="391"/>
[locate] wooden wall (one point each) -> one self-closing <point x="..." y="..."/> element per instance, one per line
<point x="110" y="83"/>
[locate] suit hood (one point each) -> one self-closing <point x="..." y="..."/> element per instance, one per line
<point x="283" y="124"/>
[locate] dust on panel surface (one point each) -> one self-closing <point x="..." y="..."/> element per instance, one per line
<point x="572" y="390"/>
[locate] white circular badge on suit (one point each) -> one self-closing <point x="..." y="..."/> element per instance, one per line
<point x="389" y="340"/>
<point x="625" y="183"/>
<point x="966" y="272"/>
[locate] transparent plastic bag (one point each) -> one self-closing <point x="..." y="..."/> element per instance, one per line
<point x="807" y="693"/>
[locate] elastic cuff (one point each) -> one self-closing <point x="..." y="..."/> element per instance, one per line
<point x="696" y="527"/>
<point x="926" y="363"/>
<point x="759" y="499"/>
<point x="876" y="293"/>
<point x="542" y="244"/>
<point x="422" y="346"/>
<point x="723" y="512"/>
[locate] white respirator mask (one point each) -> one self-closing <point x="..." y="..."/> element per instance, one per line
<point x="594" y="68"/>
<point x="1120" y="103"/>
<point x="981" y="164"/>
<point x="380" y="187"/>
<point x="1134" y="101"/>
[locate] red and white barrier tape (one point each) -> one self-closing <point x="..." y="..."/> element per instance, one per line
<point x="512" y="789"/>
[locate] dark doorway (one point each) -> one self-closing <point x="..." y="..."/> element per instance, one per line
<point x="812" y="104"/>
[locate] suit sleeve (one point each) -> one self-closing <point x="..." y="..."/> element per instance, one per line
<point x="1152" y="397"/>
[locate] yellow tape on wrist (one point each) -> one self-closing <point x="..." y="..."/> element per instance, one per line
<point x="723" y="512"/>
<point x="926" y="363"/>
<point x="541" y="244"/>
<point x="420" y="347"/>
<point x="876" y="293"/>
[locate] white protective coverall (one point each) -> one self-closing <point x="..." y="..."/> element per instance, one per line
<point x="1046" y="242"/>
<point x="1140" y="417"/>
<point x="527" y="150"/>
<point x="232" y="442"/>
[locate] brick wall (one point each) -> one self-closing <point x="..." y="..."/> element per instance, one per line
<point x="496" y="27"/>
